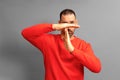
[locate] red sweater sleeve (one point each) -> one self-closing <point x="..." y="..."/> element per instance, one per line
<point x="87" y="58"/>
<point x="36" y="30"/>
<point x="34" y="33"/>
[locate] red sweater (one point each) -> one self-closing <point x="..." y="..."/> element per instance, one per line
<point x="59" y="63"/>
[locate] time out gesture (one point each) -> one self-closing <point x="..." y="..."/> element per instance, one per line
<point x="67" y="31"/>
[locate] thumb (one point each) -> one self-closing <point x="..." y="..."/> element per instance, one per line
<point x="66" y="34"/>
<point x="74" y="25"/>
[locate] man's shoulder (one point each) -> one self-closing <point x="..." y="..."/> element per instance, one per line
<point x="80" y="40"/>
<point x="82" y="43"/>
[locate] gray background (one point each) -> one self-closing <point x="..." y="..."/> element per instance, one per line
<point x="99" y="20"/>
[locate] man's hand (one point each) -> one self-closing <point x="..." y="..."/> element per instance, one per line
<point x="67" y="41"/>
<point x="64" y="25"/>
<point x="66" y="37"/>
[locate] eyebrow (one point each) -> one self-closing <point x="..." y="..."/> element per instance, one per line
<point x="71" y="21"/>
<point x="67" y="22"/>
<point x="64" y="22"/>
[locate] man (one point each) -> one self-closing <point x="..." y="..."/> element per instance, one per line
<point x="65" y="55"/>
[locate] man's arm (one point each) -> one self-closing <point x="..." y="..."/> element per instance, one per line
<point x="35" y="31"/>
<point x="63" y="26"/>
<point x="32" y="33"/>
<point x="86" y="56"/>
<point x="38" y="29"/>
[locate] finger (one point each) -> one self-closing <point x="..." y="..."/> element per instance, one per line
<point x="74" y="25"/>
<point x="66" y="33"/>
<point x="66" y="30"/>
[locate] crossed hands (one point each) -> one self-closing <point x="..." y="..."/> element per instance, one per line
<point x="65" y="26"/>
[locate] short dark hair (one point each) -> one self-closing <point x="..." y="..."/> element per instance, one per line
<point x="67" y="11"/>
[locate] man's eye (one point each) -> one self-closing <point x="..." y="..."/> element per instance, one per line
<point x="72" y="22"/>
<point x="64" y="22"/>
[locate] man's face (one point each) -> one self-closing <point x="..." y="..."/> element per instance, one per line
<point x="70" y="18"/>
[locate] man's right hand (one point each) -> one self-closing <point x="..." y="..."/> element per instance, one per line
<point x="64" y="25"/>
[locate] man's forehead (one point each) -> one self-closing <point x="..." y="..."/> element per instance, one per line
<point x="68" y="17"/>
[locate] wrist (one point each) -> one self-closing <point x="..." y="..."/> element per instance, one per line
<point x="54" y="26"/>
<point x="71" y="49"/>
